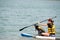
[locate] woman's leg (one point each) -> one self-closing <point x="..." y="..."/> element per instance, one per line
<point x="45" y="34"/>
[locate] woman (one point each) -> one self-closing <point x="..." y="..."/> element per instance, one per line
<point x="51" y="28"/>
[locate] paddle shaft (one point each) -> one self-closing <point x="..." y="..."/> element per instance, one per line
<point x="36" y="23"/>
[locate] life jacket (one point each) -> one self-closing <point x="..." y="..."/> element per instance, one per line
<point x="51" y="29"/>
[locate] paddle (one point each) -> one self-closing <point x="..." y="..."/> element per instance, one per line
<point x="36" y="23"/>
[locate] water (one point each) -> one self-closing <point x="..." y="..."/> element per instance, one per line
<point x="15" y="14"/>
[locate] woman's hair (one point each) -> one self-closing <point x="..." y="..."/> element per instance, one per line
<point x="51" y="20"/>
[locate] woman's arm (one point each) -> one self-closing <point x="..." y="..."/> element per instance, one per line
<point x="42" y="24"/>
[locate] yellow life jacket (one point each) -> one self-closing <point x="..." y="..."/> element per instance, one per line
<point x="51" y="30"/>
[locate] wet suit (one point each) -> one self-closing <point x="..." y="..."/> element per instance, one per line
<point x="40" y="31"/>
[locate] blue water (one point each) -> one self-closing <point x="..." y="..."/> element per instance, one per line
<point x="15" y="14"/>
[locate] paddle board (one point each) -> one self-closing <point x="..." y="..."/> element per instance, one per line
<point x="40" y="37"/>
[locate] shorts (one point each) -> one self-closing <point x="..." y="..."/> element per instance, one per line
<point x="52" y="35"/>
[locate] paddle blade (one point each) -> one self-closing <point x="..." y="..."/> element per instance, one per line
<point x="22" y="28"/>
